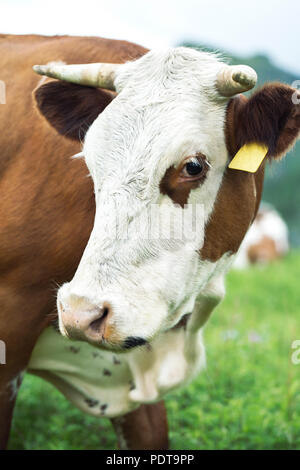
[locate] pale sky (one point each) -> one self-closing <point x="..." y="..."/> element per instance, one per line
<point x="266" y="26"/>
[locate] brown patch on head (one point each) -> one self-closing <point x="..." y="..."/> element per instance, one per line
<point x="234" y="210"/>
<point x="177" y="184"/>
<point x="237" y="200"/>
<point x="234" y="109"/>
<point x="269" y="117"/>
<point x="264" y="251"/>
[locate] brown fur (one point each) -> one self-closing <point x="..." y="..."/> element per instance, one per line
<point x="47" y="202"/>
<point x="234" y="211"/>
<point x="268" y="117"/>
<point x="75" y="110"/>
<point x="145" y="428"/>
<point x="178" y="192"/>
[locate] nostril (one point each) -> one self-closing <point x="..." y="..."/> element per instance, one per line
<point x="133" y="341"/>
<point x="97" y="325"/>
<point x="84" y="320"/>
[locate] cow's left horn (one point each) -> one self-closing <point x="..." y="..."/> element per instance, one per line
<point x="95" y="75"/>
<point x="234" y="79"/>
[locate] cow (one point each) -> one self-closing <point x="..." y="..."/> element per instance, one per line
<point x="266" y="240"/>
<point x="158" y="128"/>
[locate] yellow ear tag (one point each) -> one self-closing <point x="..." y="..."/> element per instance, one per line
<point x="249" y="157"/>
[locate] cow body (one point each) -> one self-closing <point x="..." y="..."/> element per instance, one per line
<point x="157" y="296"/>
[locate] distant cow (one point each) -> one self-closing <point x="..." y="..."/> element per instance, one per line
<point x="266" y="240"/>
<point x="158" y="131"/>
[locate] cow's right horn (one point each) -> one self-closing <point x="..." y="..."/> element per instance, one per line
<point x="234" y="79"/>
<point x="95" y="75"/>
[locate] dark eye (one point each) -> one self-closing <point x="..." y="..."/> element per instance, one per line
<point x="194" y="168"/>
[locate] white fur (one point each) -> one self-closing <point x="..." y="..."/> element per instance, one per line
<point x="142" y="375"/>
<point x="167" y="108"/>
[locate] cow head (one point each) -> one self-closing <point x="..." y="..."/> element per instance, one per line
<point x="163" y="141"/>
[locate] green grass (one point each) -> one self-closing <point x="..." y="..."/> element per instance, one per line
<point x="248" y="397"/>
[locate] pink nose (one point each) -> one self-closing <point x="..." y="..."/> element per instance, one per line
<point x="83" y="321"/>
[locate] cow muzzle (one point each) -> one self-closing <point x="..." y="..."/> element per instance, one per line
<point x="81" y="320"/>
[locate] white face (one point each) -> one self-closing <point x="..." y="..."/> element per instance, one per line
<point x="167" y="113"/>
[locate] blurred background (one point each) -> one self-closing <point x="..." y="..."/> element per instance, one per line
<point x="249" y="397"/>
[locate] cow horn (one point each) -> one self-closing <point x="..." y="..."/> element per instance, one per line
<point x="95" y="75"/>
<point x="234" y="79"/>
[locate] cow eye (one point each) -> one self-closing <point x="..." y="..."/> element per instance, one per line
<point x="194" y="168"/>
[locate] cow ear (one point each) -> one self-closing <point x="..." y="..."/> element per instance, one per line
<point x="271" y="116"/>
<point x="71" y="108"/>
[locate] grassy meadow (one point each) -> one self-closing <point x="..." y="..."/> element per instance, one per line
<point x="247" y="398"/>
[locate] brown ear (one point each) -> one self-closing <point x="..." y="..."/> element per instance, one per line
<point x="270" y="117"/>
<point x="71" y="108"/>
